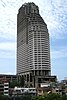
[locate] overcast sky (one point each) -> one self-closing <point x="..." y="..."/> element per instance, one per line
<point x="54" y="13"/>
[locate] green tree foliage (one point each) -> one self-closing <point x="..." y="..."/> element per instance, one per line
<point x="22" y="82"/>
<point x="26" y="97"/>
<point x="14" y="83"/>
<point x="53" y="96"/>
<point x="64" y="97"/>
<point x="3" y="97"/>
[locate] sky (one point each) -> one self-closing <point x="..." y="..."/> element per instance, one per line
<point x="54" y="13"/>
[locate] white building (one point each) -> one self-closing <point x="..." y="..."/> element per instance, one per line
<point x="21" y="91"/>
<point x="6" y="88"/>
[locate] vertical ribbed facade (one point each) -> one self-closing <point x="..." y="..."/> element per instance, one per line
<point x="33" y="47"/>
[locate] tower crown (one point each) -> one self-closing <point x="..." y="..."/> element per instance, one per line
<point x="28" y="8"/>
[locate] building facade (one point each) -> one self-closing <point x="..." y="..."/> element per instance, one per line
<point x="33" y="46"/>
<point x="4" y="83"/>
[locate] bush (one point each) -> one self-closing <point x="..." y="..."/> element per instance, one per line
<point x="3" y="97"/>
<point x="64" y="97"/>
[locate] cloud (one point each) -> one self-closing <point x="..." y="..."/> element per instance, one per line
<point x="8" y="50"/>
<point x="8" y="18"/>
<point x="53" y="12"/>
<point x="61" y="53"/>
<point x="55" y="15"/>
<point x="8" y="46"/>
<point x="8" y="73"/>
<point x="8" y="25"/>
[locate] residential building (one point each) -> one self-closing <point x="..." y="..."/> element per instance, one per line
<point x="4" y="83"/>
<point x="7" y="77"/>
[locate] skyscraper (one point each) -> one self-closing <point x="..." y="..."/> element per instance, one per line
<point x="33" y="47"/>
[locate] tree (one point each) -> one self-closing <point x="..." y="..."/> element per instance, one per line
<point x="3" y="97"/>
<point x="64" y="97"/>
<point x="26" y="97"/>
<point x="22" y="81"/>
<point x="53" y="96"/>
<point x="14" y="83"/>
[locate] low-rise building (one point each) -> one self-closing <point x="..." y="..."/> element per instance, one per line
<point x="4" y="83"/>
<point x="4" y="88"/>
<point x="22" y="91"/>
